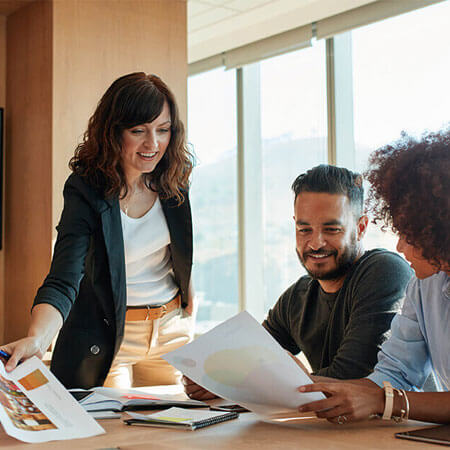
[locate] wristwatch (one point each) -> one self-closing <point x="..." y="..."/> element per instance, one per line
<point x="388" y="400"/>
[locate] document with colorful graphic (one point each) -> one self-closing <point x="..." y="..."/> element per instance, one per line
<point x="36" y="407"/>
<point x="240" y="361"/>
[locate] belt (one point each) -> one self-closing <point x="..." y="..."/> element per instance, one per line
<point x="152" y="312"/>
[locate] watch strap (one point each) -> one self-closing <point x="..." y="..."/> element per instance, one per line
<point x="388" y="400"/>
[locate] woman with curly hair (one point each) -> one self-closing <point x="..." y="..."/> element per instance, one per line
<point x="118" y="290"/>
<point x="411" y="194"/>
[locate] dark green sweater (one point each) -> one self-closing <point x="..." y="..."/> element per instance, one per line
<point x="341" y="333"/>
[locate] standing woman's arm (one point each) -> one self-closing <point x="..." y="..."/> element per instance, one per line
<point x="46" y="321"/>
<point x="56" y="296"/>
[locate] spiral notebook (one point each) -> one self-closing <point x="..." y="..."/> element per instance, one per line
<point x="180" y="418"/>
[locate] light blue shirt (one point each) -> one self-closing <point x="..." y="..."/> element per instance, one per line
<point x="420" y="339"/>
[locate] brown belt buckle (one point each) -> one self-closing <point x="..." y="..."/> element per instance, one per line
<point x="164" y="310"/>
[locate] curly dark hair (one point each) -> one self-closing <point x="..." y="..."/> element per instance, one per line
<point x="410" y="192"/>
<point x="132" y="100"/>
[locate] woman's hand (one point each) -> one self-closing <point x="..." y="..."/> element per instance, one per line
<point x="21" y="350"/>
<point x="346" y="401"/>
<point x="196" y="392"/>
<point x="192" y="306"/>
<point x="46" y="320"/>
<point x="191" y="309"/>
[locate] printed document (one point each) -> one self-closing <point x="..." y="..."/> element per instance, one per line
<point x="240" y="361"/>
<point x="36" y="407"/>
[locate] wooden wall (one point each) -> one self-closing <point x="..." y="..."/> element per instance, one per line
<point x="28" y="160"/>
<point x="61" y="57"/>
<point x="95" y="42"/>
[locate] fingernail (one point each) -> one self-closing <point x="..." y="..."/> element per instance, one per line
<point x="302" y="389"/>
<point x="300" y="409"/>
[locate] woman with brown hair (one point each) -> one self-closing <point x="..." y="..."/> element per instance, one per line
<point x="119" y="290"/>
<point x="411" y="194"/>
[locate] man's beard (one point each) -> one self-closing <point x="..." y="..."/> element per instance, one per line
<point x="343" y="263"/>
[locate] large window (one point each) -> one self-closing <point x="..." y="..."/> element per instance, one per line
<point x="400" y="74"/>
<point x="401" y="69"/>
<point x="294" y="134"/>
<point x="212" y="132"/>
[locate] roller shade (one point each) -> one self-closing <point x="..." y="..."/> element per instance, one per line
<point x="256" y="51"/>
<point x="206" y="64"/>
<point x="364" y="15"/>
<point x="300" y="37"/>
<point x="267" y="48"/>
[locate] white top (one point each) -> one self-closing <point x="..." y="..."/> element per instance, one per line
<point x="148" y="267"/>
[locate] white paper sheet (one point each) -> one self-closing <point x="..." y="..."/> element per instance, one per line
<point x="241" y="362"/>
<point x="35" y="406"/>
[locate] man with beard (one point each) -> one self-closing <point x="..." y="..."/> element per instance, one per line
<point x="340" y="313"/>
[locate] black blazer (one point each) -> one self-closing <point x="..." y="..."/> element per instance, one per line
<point x="87" y="283"/>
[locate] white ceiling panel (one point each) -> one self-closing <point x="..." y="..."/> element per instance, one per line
<point x="217" y="2"/>
<point x="194" y="8"/>
<point x="209" y="18"/>
<point x="246" y="5"/>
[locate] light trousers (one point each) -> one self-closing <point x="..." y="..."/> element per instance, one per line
<point x="138" y="361"/>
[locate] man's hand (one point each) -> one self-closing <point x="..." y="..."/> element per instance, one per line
<point x="196" y="392"/>
<point x="22" y="349"/>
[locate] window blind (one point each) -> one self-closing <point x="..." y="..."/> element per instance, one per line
<point x="364" y="15"/>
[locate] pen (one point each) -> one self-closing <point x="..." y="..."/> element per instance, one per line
<point x="4" y="354"/>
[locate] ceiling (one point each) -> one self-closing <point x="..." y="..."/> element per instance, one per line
<point x="204" y="13"/>
<point x="215" y="26"/>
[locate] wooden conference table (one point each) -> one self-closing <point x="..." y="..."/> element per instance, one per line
<point x="246" y="432"/>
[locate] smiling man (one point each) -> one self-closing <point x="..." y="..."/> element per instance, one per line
<point x="340" y="313"/>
